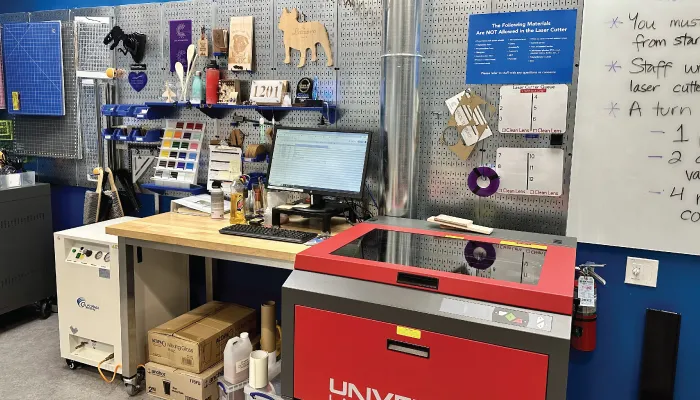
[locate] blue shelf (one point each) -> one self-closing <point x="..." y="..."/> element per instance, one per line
<point x="192" y="190"/>
<point x="158" y="110"/>
<point x="330" y="112"/>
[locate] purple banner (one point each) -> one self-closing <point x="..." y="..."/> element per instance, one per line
<point x="180" y="40"/>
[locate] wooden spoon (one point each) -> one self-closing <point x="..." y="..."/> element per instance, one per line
<point x="180" y="71"/>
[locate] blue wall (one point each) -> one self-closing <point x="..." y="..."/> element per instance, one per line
<point x="609" y="373"/>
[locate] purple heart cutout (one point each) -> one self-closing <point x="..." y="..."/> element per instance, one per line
<point x="138" y="80"/>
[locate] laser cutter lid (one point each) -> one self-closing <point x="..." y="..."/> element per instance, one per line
<point x="514" y="268"/>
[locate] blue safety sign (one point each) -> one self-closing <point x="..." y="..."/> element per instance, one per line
<point x="534" y="47"/>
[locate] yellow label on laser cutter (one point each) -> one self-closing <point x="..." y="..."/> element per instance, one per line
<point x="408" y="332"/>
<point x="455" y="237"/>
<point x="526" y="245"/>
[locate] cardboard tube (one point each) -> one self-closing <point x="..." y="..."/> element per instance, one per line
<point x="268" y="342"/>
<point x="257" y="369"/>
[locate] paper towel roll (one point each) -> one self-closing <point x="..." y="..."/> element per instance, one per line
<point x="268" y="341"/>
<point x="258" y="369"/>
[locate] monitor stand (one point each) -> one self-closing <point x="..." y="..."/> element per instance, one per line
<point x="319" y="205"/>
<point x="319" y="209"/>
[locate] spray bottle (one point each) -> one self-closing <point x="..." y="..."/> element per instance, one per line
<point x="238" y="201"/>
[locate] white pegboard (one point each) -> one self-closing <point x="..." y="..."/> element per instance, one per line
<point x="355" y="31"/>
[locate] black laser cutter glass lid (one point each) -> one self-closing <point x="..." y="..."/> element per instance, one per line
<point x="486" y="260"/>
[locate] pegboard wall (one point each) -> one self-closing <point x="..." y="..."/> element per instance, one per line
<point x="355" y="31"/>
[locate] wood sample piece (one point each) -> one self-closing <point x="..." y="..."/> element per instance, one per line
<point x="220" y="41"/>
<point x="203" y="44"/>
<point x="240" y="52"/>
<point x="303" y="36"/>
<point x="229" y="91"/>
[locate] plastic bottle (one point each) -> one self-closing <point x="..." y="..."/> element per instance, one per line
<point x="197" y="89"/>
<point x="238" y="203"/>
<point x="236" y="361"/>
<point x="217" y="201"/>
<point x="213" y="76"/>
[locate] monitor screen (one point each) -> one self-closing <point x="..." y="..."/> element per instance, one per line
<point x="325" y="162"/>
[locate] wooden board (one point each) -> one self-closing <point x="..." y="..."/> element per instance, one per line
<point x="303" y="36"/>
<point x="240" y="48"/>
<point x="203" y="233"/>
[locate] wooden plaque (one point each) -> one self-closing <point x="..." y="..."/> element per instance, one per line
<point x="303" y="36"/>
<point x="240" y="51"/>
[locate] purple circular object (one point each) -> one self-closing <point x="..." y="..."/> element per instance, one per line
<point x="486" y="172"/>
<point x="480" y="255"/>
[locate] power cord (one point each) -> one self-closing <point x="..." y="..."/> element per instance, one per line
<point x="116" y="368"/>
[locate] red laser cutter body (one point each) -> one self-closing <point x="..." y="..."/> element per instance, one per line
<point x="399" y="310"/>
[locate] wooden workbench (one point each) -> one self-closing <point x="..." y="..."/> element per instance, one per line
<point x="172" y="238"/>
<point x="202" y="233"/>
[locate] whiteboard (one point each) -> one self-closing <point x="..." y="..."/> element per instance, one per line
<point x="635" y="180"/>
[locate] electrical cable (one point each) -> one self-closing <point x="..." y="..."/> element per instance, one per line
<point x="371" y="196"/>
<point x="116" y="367"/>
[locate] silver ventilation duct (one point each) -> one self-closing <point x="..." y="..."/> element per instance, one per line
<point x="400" y="106"/>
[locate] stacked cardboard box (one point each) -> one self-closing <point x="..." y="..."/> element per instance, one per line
<point x="186" y="353"/>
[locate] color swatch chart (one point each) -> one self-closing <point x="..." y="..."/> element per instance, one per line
<point x="178" y="159"/>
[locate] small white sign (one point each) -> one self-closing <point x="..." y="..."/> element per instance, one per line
<point x="14" y="180"/>
<point x="267" y="92"/>
<point x="586" y="291"/>
<point x="530" y="172"/>
<point x="539" y="109"/>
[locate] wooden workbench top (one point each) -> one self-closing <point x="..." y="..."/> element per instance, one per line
<point x="203" y="233"/>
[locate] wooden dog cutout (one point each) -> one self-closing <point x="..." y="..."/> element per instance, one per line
<point x="303" y="36"/>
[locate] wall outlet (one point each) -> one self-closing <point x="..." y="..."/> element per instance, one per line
<point x="641" y="271"/>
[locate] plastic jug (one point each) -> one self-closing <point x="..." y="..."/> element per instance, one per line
<point x="237" y="358"/>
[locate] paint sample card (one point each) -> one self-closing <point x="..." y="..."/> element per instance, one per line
<point x="537" y="109"/>
<point x="225" y="165"/>
<point x="464" y="115"/>
<point x="530" y="172"/>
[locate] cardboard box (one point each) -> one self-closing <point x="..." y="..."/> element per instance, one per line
<point x="175" y="384"/>
<point x="195" y="341"/>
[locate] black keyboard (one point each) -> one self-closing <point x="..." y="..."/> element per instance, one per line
<point x="260" y="232"/>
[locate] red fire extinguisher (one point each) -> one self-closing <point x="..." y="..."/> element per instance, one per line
<point x="583" y="329"/>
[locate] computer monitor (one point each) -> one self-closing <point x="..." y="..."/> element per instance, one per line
<point x="319" y="162"/>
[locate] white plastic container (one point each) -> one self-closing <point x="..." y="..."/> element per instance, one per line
<point x="268" y="390"/>
<point x="229" y="391"/>
<point x="236" y="358"/>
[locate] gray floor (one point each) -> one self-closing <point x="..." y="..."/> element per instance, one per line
<point x="31" y="366"/>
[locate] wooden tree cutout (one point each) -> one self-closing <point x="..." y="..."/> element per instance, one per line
<point x="303" y="36"/>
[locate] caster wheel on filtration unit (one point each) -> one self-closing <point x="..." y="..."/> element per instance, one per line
<point x="72" y="365"/>
<point x="135" y="384"/>
<point x="45" y="309"/>
<point x="132" y="390"/>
